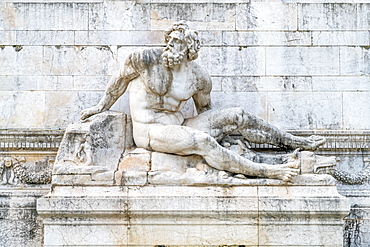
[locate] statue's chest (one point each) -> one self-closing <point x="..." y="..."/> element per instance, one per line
<point x="182" y="86"/>
<point x="163" y="82"/>
<point x="157" y="79"/>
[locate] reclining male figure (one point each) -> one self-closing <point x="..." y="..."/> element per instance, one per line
<point x="162" y="80"/>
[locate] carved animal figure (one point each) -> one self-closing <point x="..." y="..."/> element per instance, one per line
<point x="313" y="163"/>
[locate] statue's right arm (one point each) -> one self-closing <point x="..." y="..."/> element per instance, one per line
<point x="116" y="88"/>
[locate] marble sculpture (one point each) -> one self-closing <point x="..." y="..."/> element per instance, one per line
<point x="160" y="81"/>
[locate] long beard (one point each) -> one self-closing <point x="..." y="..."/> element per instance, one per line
<point x="172" y="57"/>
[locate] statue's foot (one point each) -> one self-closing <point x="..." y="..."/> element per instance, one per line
<point x="284" y="172"/>
<point x="310" y="143"/>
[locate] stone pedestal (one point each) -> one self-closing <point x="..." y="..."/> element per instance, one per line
<point x="20" y="224"/>
<point x="290" y="215"/>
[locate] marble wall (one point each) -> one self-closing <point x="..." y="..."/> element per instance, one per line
<point x="303" y="65"/>
<point x="299" y="64"/>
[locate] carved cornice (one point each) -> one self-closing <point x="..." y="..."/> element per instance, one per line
<point x="38" y="140"/>
<point x="338" y="141"/>
<point x="31" y="143"/>
<point x="49" y="140"/>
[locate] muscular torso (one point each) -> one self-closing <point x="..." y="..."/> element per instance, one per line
<point x="158" y="94"/>
<point x="150" y="107"/>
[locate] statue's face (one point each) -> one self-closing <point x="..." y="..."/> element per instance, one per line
<point x="176" y="41"/>
<point x="176" y="49"/>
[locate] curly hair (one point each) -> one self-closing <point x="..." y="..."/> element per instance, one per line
<point x="190" y="37"/>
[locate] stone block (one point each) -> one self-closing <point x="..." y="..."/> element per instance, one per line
<point x="36" y="16"/>
<point x="341" y="83"/>
<point x="7" y="37"/>
<point x="284" y="234"/>
<point x="328" y="17"/>
<point x="355" y="60"/>
<point x="233" y="60"/>
<point x="119" y="15"/>
<point x="266" y="16"/>
<point x="82" y="179"/>
<point x="253" y="102"/>
<point x="21" y="60"/>
<point x="244" y="61"/>
<point x="211" y="59"/>
<point x="19" y="83"/>
<point x="356" y="113"/>
<point x="78" y="60"/>
<point x="344" y="38"/>
<point x="177" y="215"/>
<point x="99" y="141"/>
<point x="103" y="178"/>
<point x="300" y="110"/>
<point x="110" y="38"/>
<point x="41" y="83"/>
<point x="302" y="61"/>
<point x="137" y="160"/>
<point x="133" y="168"/>
<point x="363" y="18"/>
<point x="266" y="38"/>
<point x="278" y="228"/>
<point x="22" y="109"/>
<point x="176" y="235"/>
<point x="218" y="17"/>
<point x="211" y="37"/>
<point x="42" y="38"/>
<point x="266" y="84"/>
<point x="83" y="83"/>
<point x="61" y="235"/>
<point x="90" y="150"/>
<point x="64" y="107"/>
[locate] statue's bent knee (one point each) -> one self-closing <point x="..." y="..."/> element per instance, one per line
<point x="237" y="114"/>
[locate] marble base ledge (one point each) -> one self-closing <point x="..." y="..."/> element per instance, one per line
<point x="193" y="216"/>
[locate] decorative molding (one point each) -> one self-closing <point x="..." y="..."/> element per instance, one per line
<point x="40" y="140"/>
<point x="49" y="140"/>
<point x="342" y="141"/>
<point x="36" y="143"/>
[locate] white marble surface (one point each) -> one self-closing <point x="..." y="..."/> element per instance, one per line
<point x="148" y="216"/>
<point x="267" y="16"/>
<point x="302" y="40"/>
<point x="317" y="48"/>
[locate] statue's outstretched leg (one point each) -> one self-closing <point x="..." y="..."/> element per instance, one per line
<point x="221" y="122"/>
<point x="184" y="140"/>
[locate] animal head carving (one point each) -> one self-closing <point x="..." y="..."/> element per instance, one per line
<point x="311" y="163"/>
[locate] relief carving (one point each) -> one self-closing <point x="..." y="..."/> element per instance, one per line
<point x="16" y="170"/>
<point x="84" y="153"/>
<point x="360" y="177"/>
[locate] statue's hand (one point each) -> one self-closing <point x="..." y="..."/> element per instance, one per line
<point x="89" y="112"/>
